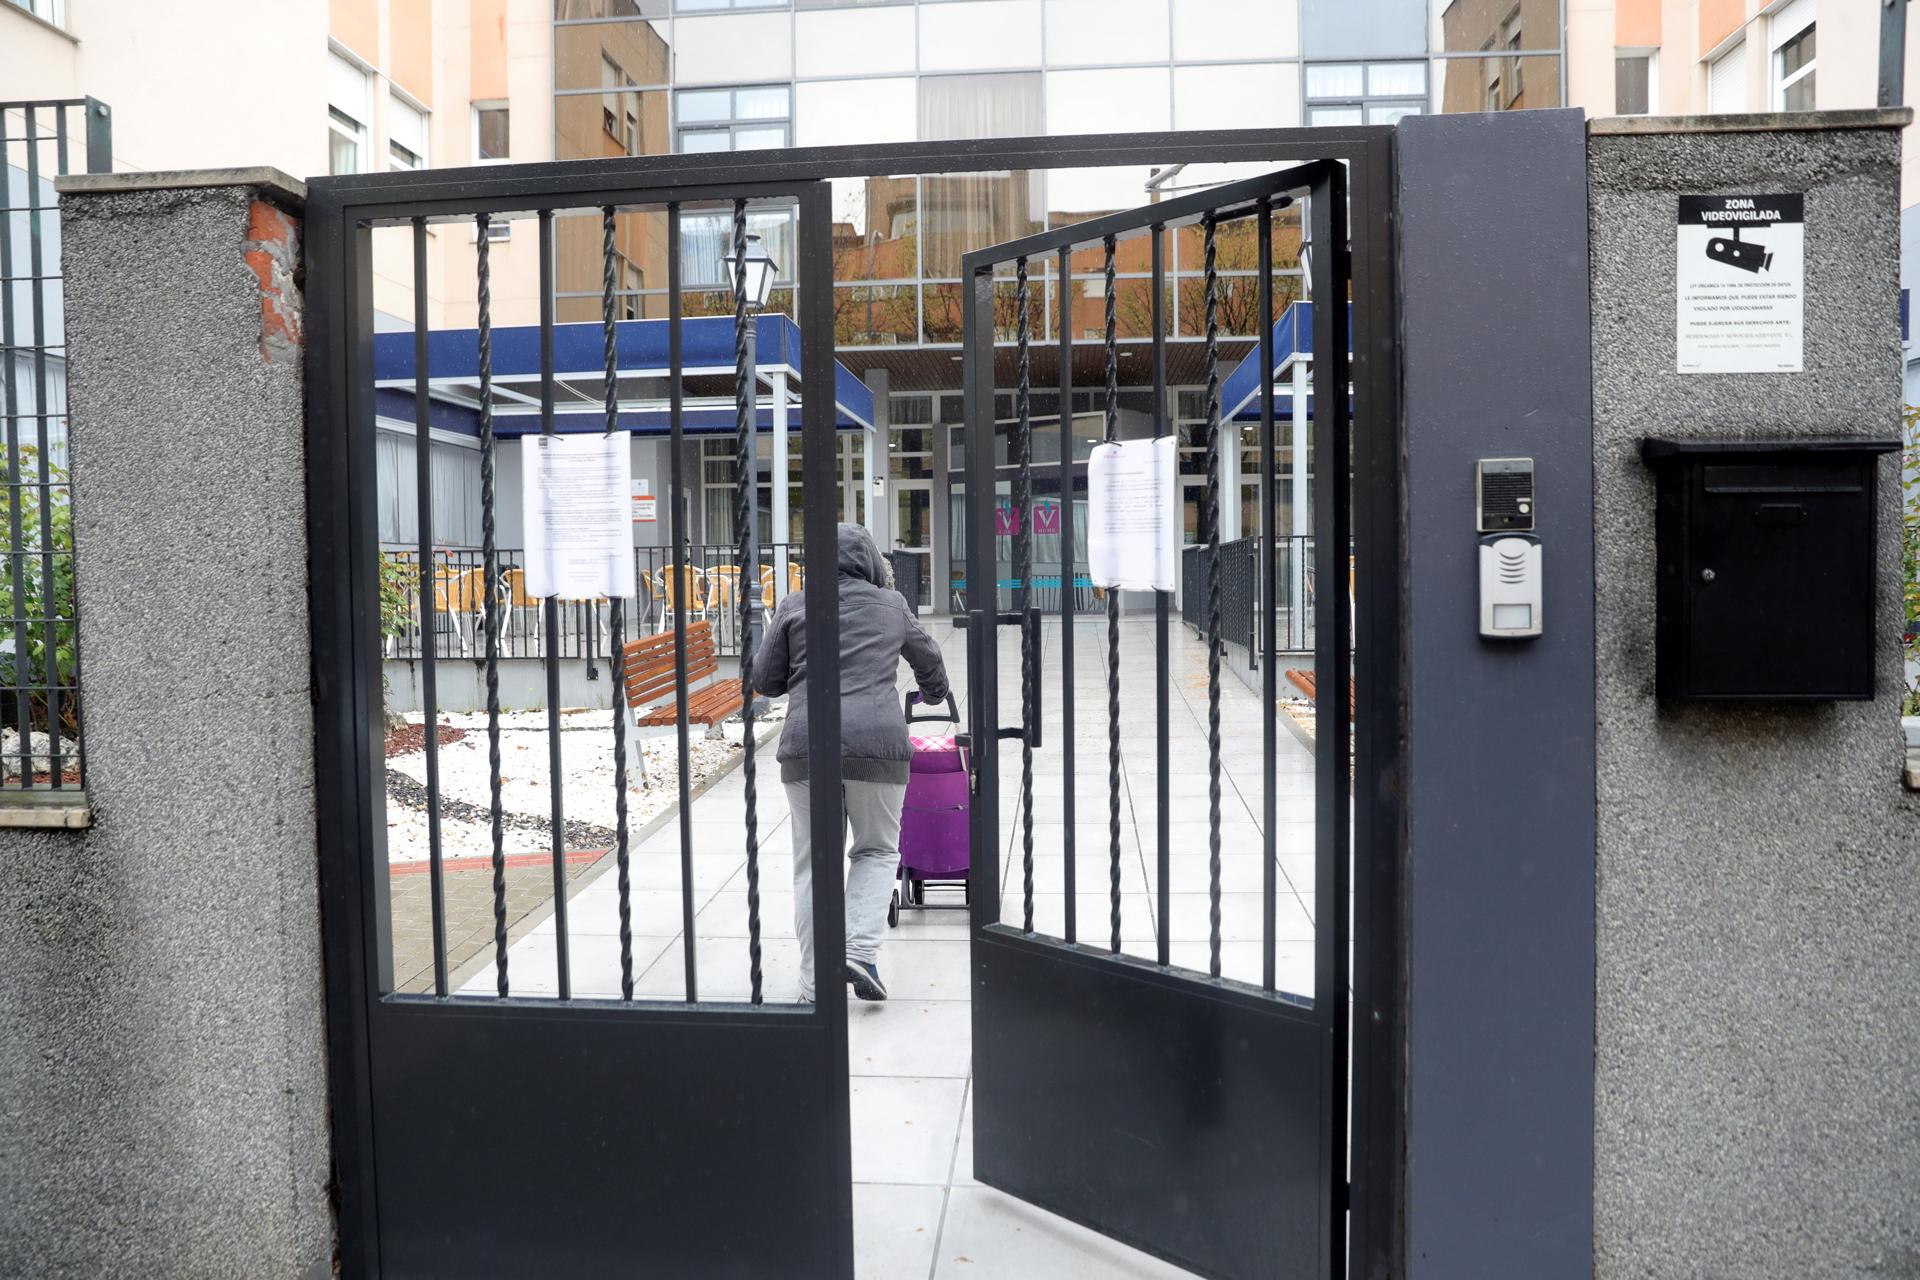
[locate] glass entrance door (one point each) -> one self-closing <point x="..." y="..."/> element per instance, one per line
<point x="913" y="528"/>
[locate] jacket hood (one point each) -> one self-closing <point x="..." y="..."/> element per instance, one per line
<point x="859" y="557"/>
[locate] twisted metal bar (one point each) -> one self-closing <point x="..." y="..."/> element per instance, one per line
<point x="1113" y="629"/>
<point x="743" y="515"/>
<point x="1023" y="574"/>
<point x="1213" y="601"/>
<point x="616" y="622"/>
<point x="490" y="559"/>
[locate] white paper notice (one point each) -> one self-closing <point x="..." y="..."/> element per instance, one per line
<point x="575" y="495"/>
<point x="1741" y="284"/>
<point x="1133" y="515"/>
<point x="646" y="507"/>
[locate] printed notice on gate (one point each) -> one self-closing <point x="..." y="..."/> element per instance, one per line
<point x="1741" y="284"/>
<point x="576" y="495"/>
<point x="1133" y="515"/>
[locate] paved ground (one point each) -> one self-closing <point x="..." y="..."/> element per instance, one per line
<point x="917" y="1209"/>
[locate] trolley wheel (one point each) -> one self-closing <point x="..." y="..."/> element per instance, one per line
<point x="893" y="911"/>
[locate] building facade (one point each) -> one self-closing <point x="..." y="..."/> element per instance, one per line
<point x="364" y="85"/>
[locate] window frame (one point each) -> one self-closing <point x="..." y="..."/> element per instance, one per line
<point x="1784" y="82"/>
<point x="1650" y="56"/>
<point x="399" y="98"/>
<point x="733" y="124"/>
<point x="476" y="109"/>
<point x="1352" y="109"/>
<point x="342" y="123"/>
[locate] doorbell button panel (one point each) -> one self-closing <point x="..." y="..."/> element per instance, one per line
<point x="1509" y="586"/>
<point x="1503" y="494"/>
<point x="1510" y="582"/>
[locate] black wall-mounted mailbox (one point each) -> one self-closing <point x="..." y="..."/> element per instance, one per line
<point x="1766" y="568"/>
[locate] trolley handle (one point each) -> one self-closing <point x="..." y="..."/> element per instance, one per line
<point x="952" y="715"/>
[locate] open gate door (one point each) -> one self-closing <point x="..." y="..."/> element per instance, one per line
<point x="695" y="1127"/>
<point x="1122" y="1079"/>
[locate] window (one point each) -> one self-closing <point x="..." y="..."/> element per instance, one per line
<point x="490" y="132"/>
<point x="54" y="11"/>
<point x="1793" y="53"/>
<point x="740" y="119"/>
<point x="1633" y="79"/>
<point x="406" y="135"/>
<point x="1727" y="80"/>
<point x="1342" y="93"/>
<point x="346" y="115"/>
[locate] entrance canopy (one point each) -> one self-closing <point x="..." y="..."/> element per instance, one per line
<point x="1292" y="342"/>
<point x="579" y="371"/>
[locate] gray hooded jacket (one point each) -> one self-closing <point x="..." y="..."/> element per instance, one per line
<point x="876" y="631"/>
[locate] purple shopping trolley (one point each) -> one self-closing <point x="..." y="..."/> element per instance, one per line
<point x="933" y="824"/>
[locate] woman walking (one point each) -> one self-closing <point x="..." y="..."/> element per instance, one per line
<point x="876" y="631"/>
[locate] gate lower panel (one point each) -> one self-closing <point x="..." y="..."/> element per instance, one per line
<point x="1211" y="1100"/>
<point x="688" y="1143"/>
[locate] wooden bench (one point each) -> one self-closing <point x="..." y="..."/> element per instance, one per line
<point x="646" y="666"/>
<point x="1304" y="681"/>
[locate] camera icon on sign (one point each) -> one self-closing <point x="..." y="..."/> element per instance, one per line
<point x="1736" y="252"/>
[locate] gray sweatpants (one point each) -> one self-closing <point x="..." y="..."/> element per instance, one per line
<point x="873" y="814"/>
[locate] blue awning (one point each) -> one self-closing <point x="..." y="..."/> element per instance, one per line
<point x="579" y="365"/>
<point x="1292" y="337"/>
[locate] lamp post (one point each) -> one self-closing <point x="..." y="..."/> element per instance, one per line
<point x="751" y="273"/>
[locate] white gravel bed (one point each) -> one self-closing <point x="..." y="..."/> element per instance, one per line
<point x="586" y="744"/>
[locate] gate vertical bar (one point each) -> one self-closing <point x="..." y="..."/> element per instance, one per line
<point x="1377" y="1199"/>
<point x="746" y="491"/>
<point x="429" y="646"/>
<point x="1269" y="613"/>
<point x="16" y="558"/>
<point x="983" y="595"/>
<point x="819" y="470"/>
<point x="1162" y="633"/>
<point x="1068" y="593"/>
<point x="675" y="593"/>
<point x="555" y="771"/>
<point x="617" y="616"/>
<point x="1023" y="589"/>
<point x="1112" y="436"/>
<point x="345" y="793"/>
<point x="490" y="569"/>
<point x="1333" y="527"/>
<point x="1214" y="464"/>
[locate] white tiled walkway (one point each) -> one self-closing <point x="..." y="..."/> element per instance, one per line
<point x="918" y="1211"/>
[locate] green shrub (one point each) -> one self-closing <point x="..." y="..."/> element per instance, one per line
<point x="24" y="571"/>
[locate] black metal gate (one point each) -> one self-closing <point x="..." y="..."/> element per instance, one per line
<point x="506" y="1134"/>
<point x="1197" y="1117"/>
<point x="503" y="1134"/>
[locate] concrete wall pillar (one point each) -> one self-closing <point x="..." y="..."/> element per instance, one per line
<point x="162" y="1049"/>
<point x="1757" y="1049"/>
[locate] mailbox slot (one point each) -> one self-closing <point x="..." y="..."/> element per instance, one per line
<point x="1765" y="573"/>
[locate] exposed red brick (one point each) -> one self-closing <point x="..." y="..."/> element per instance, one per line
<point x="272" y="252"/>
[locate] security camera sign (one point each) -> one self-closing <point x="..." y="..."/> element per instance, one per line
<point x="1741" y="284"/>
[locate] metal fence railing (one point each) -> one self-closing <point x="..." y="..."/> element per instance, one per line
<point x="40" y="721"/>
<point x="1240" y="593"/>
<point x="711" y="594"/>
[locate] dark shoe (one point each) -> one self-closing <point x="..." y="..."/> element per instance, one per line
<point x="866" y="980"/>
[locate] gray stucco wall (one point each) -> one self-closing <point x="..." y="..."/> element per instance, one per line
<point x="1499" y="890"/>
<point x="162" y="1073"/>
<point x="1758" y="1049"/>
